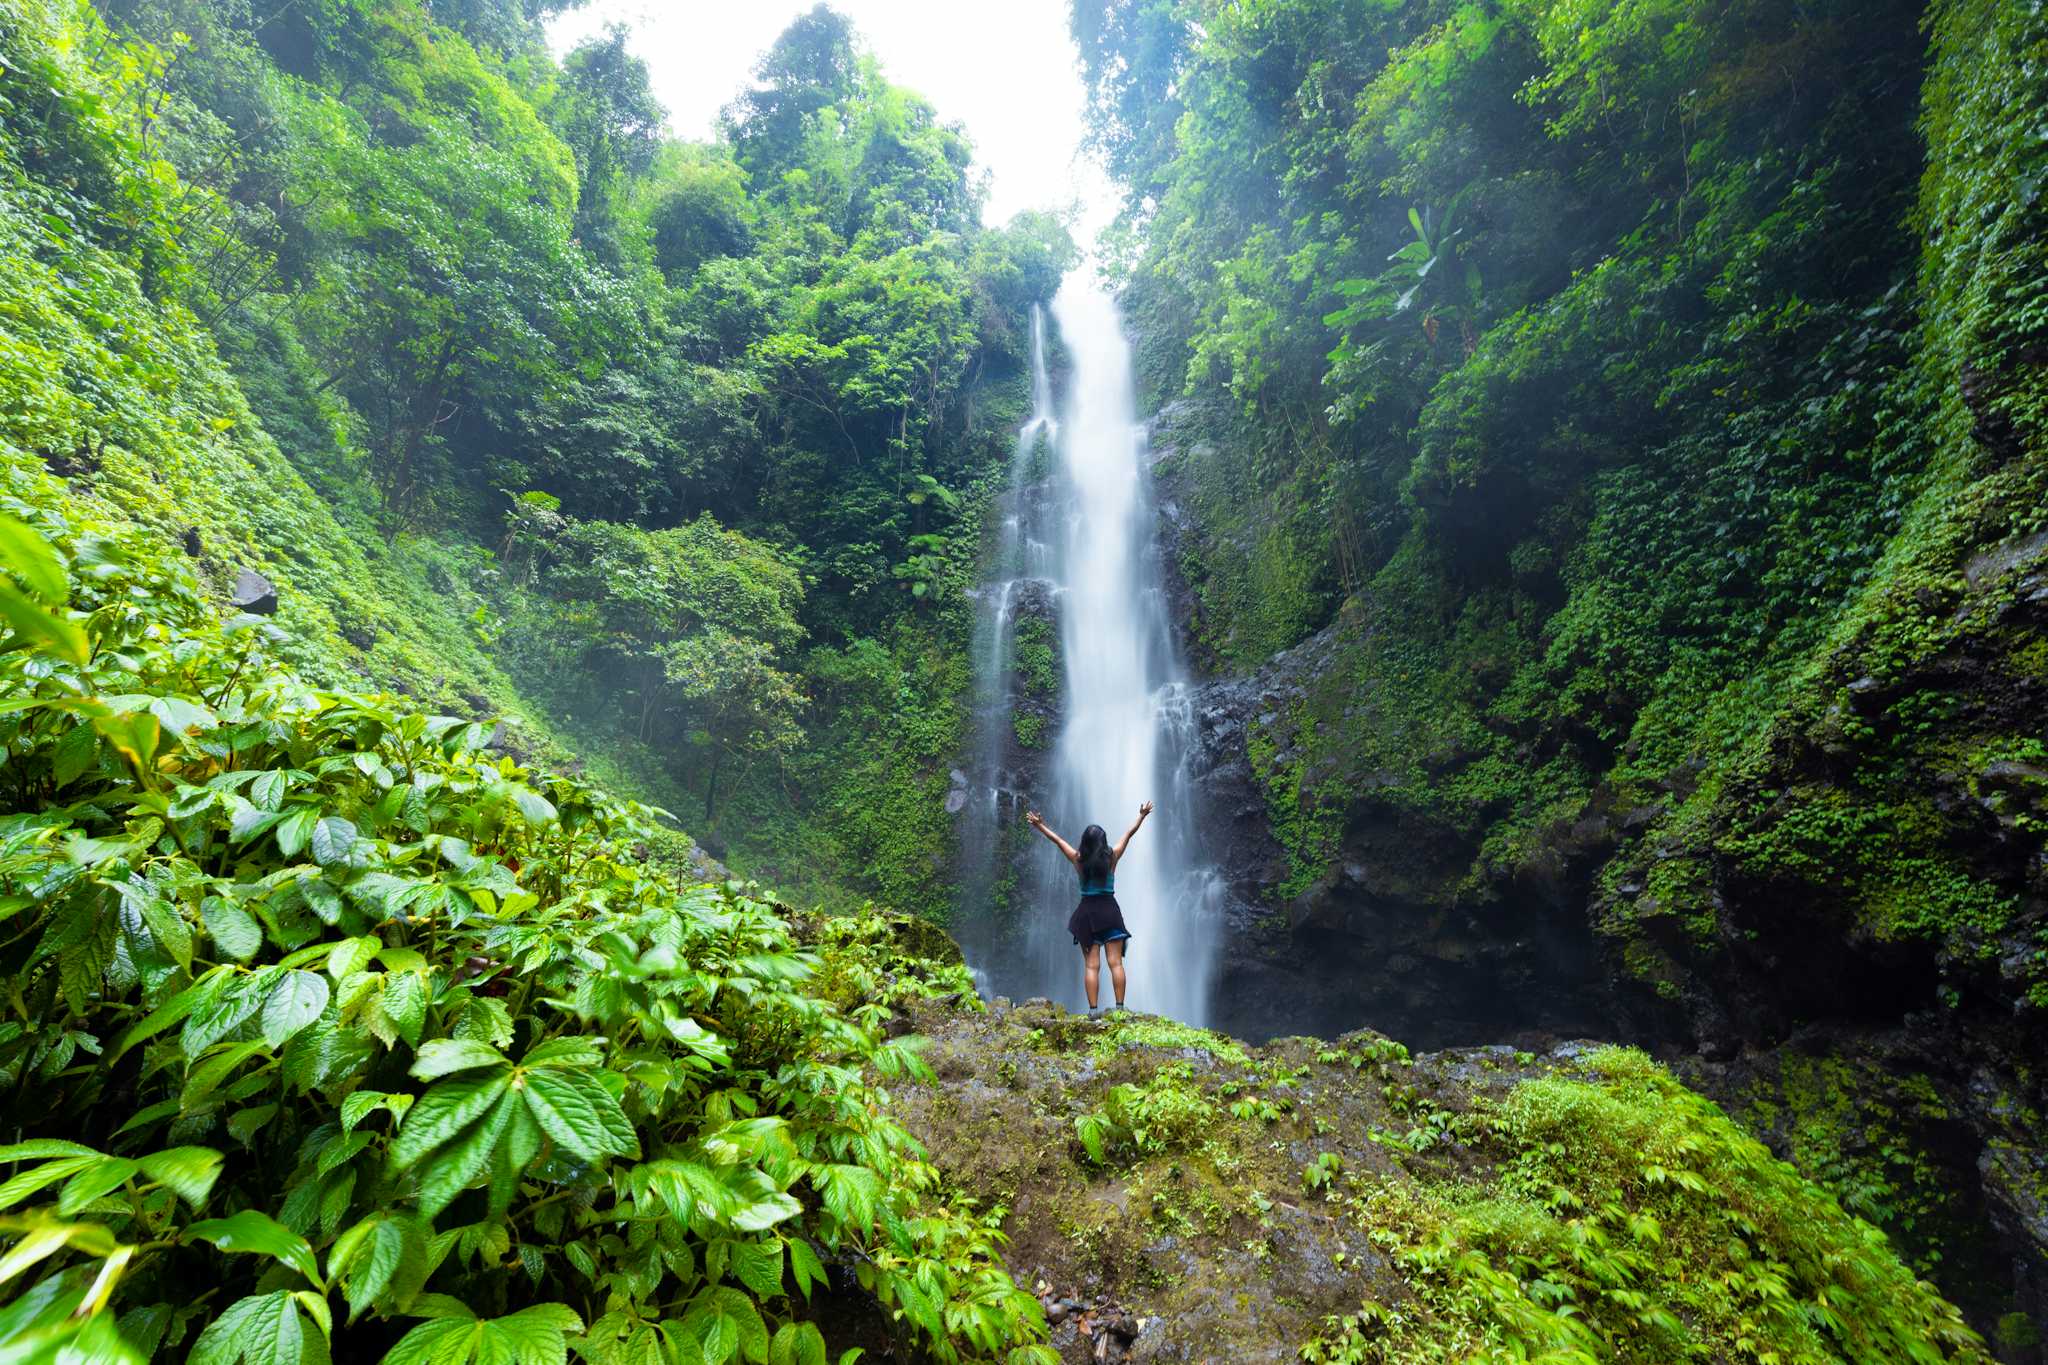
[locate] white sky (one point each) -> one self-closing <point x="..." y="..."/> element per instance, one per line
<point x="1005" y="68"/>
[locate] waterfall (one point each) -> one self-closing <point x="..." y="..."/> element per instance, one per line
<point x="1125" y="727"/>
<point x="978" y="796"/>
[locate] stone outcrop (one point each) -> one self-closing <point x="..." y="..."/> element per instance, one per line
<point x="1173" y="1195"/>
<point x="254" y="594"/>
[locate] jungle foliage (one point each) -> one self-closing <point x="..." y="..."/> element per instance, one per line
<point x="518" y="343"/>
<point x="1620" y="383"/>
<point x="334" y="1034"/>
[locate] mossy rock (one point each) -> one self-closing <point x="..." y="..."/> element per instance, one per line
<point x="1342" y="1201"/>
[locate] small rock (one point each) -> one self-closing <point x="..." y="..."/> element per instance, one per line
<point x="254" y="594"/>
<point x="1151" y="1343"/>
<point x="2012" y="775"/>
<point x="2001" y="559"/>
<point x="193" y="544"/>
<point x="1638" y="816"/>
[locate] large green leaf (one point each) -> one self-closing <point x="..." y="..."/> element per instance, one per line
<point x="360" y="1105"/>
<point x="26" y="555"/>
<point x="40" y="1237"/>
<point x="578" y="1113"/>
<point x="259" y="1234"/>
<point x="231" y="1002"/>
<point x="797" y="1343"/>
<point x="389" y="1253"/>
<point x="445" y="1056"/>
<point x="758" y="1266"/>
<point x="25" y="1183"/>
<point x="246" y="820"/>
<point x="47" y="631"/>
<point x="566" y="1052"/>
<point x="41" y="1149"/>
<point x="454" y="1336"/>
<point x="234" y="931"/>
<point x="295" y="831"/>
<point x="334" y="841"/>
<point x="102" y="1177"/>
<point x="263" y="1329"/>
<point x="134" y="737"/>
<point x="267" y="791"/>
<point x="294" y="1002"/>
<point x="189" y="1171"/>
<point x="180" y="715"/>
<point x="457" y="1165"/>
<point x="442" y="1113"/>
<point x="404" y="1003"/>
<point x="203" y="991"/>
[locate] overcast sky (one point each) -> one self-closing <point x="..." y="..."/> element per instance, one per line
<point x="1004" y="68"/>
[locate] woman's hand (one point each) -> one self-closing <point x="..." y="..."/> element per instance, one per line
<point x="1144" y="810"/>
<point x="1032" y="818"/>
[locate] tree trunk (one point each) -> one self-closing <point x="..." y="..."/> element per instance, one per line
<point x="649" y="696"/>
<point x="711" y="784"/>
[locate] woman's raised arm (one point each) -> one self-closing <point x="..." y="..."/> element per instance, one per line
<point x="1033" y="819"/>
<point x="1125" y="842"/>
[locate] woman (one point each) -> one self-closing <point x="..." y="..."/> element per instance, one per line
<point x="1097" y="923"/>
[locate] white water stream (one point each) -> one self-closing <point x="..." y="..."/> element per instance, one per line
<point x="1125" y="725"/>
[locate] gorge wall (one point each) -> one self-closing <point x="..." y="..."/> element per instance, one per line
<point x="1604" y="460"/>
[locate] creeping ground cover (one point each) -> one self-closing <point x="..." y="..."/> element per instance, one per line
<point x="331" y="1034"/>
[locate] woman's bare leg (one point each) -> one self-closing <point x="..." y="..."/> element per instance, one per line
<point x="1115" y="949"/>
<point x="1090" y="979"/>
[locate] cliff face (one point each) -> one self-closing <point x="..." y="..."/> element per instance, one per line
<point x="1709" y="719"/>
<point x="1720" y="913"/>
<point x="1379" y="933"/>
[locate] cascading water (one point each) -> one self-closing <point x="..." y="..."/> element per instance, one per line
<point x="979" y="802"/>
<point x="1125" y="728"/>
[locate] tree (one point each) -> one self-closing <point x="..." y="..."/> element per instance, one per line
<point x="812" y="67"/>
<point x="607" y="113"/>
<point x="1132" y="56"/>
<point x="441" y="287"/>
<point x="687" y="627"/>
<point x="695" y="206"/>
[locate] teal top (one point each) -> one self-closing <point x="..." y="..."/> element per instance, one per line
<point x="1105" y="887"/>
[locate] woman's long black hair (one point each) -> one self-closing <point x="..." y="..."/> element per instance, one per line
<point x="1096" y="864"/>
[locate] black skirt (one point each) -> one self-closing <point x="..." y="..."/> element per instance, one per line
<point x="1097" y="919"/>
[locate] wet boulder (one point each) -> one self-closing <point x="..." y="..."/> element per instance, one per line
<point x="254" y="594"/>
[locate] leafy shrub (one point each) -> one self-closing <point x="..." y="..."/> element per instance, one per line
<point x="333" y="1034"/>
<point x="1166" y="1113"/>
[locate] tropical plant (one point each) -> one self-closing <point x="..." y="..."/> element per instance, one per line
<point x="333" y="1034"/>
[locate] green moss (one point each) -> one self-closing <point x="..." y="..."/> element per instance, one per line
<point x="1478" y="1206"/>
<point x="1037" y="659"/>
<point x="1616" y="1190"/>
<point x="1144" y="1030"/>
<point x="1307" y="816"/>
